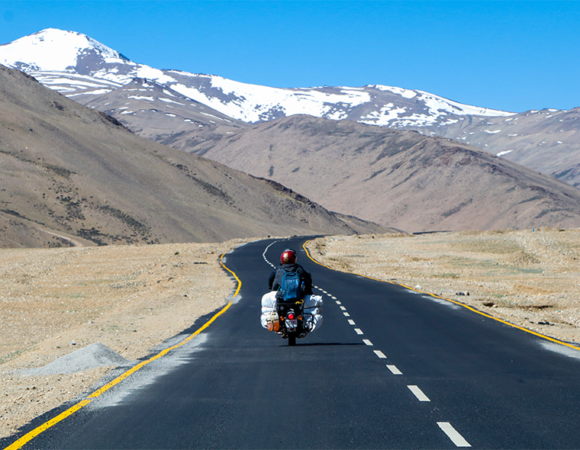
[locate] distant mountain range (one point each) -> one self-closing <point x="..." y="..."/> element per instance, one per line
<point x="78" y="66"/>
<point x="93" y="74"/>
<point x="70" y="174"/>
<point x="159" y="113"/>
<point x="547" y="140"/>
<point x="373" y="169"/>
<point x="401" y="178"/>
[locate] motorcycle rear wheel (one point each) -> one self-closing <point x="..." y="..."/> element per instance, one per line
<point x="292" y="339"/>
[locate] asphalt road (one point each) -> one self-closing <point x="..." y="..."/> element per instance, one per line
<point x="390" y="368"/>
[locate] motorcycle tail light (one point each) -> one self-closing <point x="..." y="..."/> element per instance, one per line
<point x="291" y="316"/>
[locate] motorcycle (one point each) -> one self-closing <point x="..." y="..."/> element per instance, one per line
<point x="289" y="321"/>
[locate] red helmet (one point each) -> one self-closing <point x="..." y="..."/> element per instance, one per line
<point x="288" y="257"/>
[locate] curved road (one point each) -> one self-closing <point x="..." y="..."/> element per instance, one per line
<point x="390" y="368"/>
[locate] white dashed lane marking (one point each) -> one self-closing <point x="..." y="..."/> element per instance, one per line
<point x="264" y="255"/>
<point x="394" y="370"/>
<point x="419" y="393"/>
<point x="447" y="428"/>
<point x="452" y="433"/>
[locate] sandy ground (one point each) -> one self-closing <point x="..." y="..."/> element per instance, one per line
<point x="129" y="298"/>
<point x="529" y="278"/>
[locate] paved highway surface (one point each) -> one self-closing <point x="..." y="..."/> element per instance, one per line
<point x="390" y="368"/>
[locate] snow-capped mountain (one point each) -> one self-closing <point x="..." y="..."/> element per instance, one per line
<point x="159" y="113"/>
<point x="82" y="68"/>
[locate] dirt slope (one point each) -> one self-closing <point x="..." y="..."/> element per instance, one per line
<point x="82" y="177"/>
<point x="398" y="178"/>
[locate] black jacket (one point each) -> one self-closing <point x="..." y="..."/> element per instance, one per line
<point x="276" y="277"/>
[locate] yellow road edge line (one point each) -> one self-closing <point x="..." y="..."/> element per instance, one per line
<point x="45" y="426"/>
<point x="471" y="308"/>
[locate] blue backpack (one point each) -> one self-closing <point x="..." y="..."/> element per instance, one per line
<point x="291" y="287"/>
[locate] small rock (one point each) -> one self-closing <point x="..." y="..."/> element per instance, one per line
<point x="73" y="343"/>
<point x="418" y="287"/>
<point x="90" y="321"/>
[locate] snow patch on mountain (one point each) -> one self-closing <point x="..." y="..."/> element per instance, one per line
<point x="137" y="97"/>
<point x="442" y="106"/>
<point x="166" y="100"/>
<point x="253" y="103"/>
<point x="384" y="116"/>
<point x="406" y="93"/>
<point x="36" y="52"/>
<point x="503" y="153"/>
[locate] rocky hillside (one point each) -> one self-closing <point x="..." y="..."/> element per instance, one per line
<point x="72" y="175"/>
<point x="547" y="141"/>
<point x="400" y="178"/>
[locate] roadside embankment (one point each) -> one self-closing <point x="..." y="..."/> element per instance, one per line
<point x="128" y="298"/>
<point x="529" y="278"/>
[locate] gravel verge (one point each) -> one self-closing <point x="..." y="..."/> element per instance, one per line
<point x="128" y="299"/>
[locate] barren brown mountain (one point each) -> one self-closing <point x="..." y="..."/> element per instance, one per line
<point x="71" y="175"/>
<point x="398" y="178"/>
<point x="546" y="140"/>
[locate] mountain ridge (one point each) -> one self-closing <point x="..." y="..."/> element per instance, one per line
<point x="69" y="173"/>
<point x="87" y="71"/>
<point x="102" y="79"/>
<point x="545" y="140"/>
<point x="106" y="70"/>
<point x="403" y="178"/>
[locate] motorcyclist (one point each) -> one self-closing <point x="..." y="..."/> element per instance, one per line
<point x="288" y="264"/>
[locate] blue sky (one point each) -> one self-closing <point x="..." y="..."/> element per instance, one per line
<point x="510" y="55"/>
